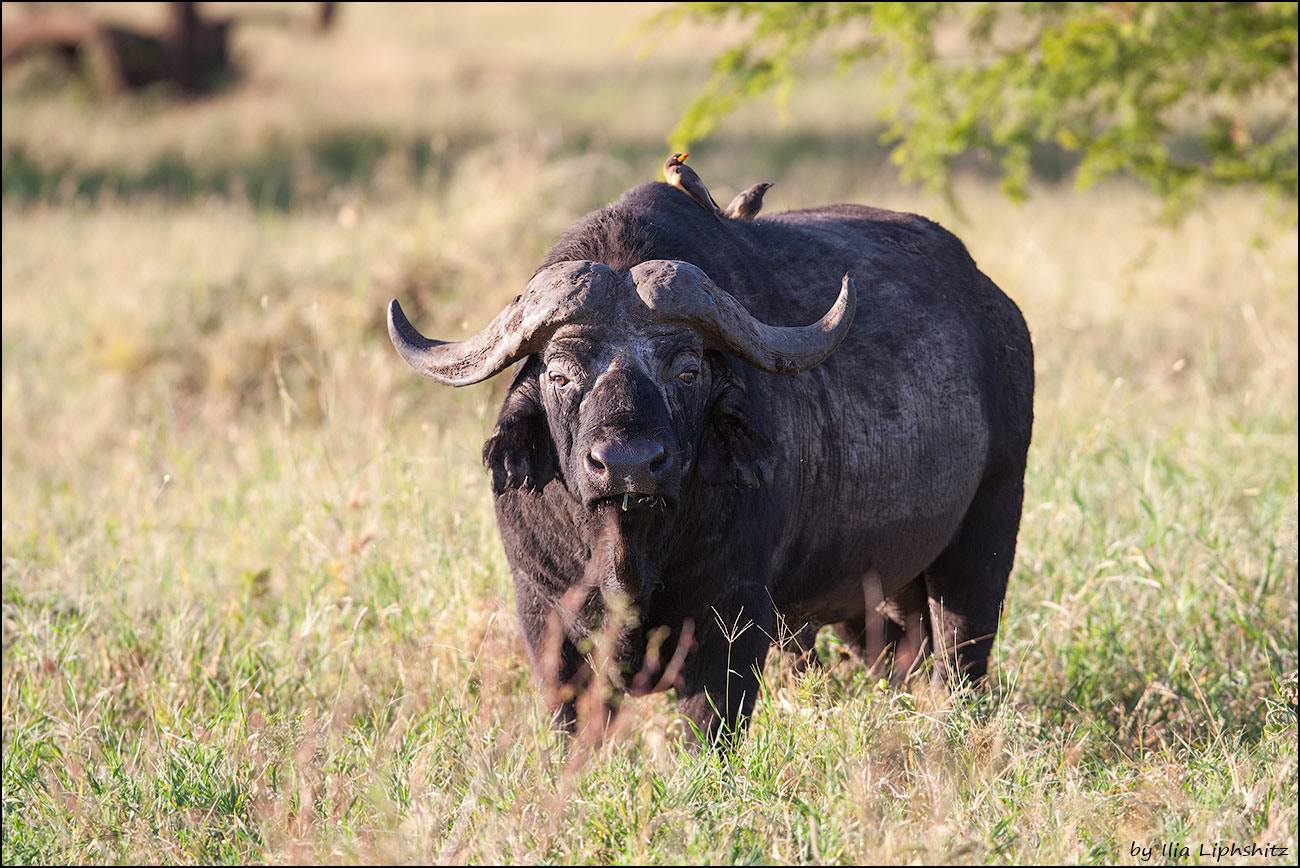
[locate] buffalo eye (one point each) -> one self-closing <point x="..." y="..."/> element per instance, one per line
<point x="559" y="380"/>
<point x="687" y="377"/>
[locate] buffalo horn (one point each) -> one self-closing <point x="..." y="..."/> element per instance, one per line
<point x="681" y="292"/>
<point x="556" y="295"/>
<point x="570" y="292"/>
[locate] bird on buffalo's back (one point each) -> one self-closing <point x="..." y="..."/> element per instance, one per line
<point x="748" y="203"/>
<point x="684" y="178"/>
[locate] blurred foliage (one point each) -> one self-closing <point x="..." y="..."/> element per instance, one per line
<point x="1183" y="96"/>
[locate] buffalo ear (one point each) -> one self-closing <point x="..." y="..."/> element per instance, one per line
<point x="733" y="451"/>
<point x="519" y="452"/>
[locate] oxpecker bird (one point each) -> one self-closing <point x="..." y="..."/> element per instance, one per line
<point x="747" y="204"/>
<point x="683" y="177"/>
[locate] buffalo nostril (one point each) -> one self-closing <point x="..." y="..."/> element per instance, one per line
<point x="595" y="466"/>
<point x="658" y="461"/>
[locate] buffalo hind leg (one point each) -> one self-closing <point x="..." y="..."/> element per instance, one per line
<point x="890" y="638"/>
<point x="968" y="581"/>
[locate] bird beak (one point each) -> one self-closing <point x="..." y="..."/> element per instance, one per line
<point x="684" y="156"/>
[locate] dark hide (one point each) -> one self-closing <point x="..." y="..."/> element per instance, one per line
<point x="660" y="501"/>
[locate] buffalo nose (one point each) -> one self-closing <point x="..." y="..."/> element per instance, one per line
<point x="632" y="465"/>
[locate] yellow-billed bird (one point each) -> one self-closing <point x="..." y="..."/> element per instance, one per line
<point x="683" y="177"/>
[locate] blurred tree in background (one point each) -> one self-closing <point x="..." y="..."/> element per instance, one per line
<point x="1183" y="96"/>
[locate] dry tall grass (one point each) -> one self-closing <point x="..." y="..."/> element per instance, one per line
<point x="255" y="608"/>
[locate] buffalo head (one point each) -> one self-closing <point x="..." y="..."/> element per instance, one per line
<point x="624" y="375"/>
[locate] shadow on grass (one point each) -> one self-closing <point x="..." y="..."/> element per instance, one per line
<point x="283" y="175"/>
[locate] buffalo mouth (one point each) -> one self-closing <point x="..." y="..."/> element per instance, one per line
<point x="633" y="502"/>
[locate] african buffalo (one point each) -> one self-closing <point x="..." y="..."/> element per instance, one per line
<point x="675" y="464"/>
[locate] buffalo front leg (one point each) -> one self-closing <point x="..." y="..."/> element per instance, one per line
<point x="721" y="677"/>
<point x="580" y="703"/>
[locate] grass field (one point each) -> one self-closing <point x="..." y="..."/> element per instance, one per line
<point x="255" y="608"/>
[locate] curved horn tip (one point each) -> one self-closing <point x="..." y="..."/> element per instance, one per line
<point x="401" y="331"/>
<point x="396" y="314"/>
<point x="848" y="293"/>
